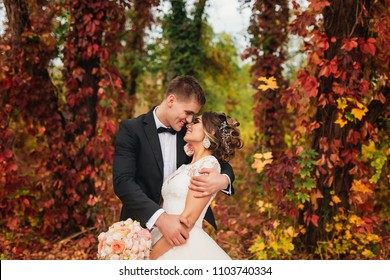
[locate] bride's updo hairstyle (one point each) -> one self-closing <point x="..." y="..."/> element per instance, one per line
<point x="223" y="134"/>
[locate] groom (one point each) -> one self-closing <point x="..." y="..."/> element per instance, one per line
<point x="149" y="148"/>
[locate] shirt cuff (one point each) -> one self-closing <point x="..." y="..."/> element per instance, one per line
<point x="150" y="223"/>
<point x="228" y="190"/>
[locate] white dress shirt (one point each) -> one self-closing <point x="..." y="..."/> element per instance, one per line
<point x="169" y="154"/>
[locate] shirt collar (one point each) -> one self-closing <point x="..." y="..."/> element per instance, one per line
<point x="157" y="121"/>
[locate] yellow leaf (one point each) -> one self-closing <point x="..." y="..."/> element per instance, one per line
<point x="264" y="156"/>
<point x="268" y="205"/>
<point x="267" y="155"/>
<point x="260" y="160"/>
<point x="260" y="247"/>
<point x="341" y="104"/>
<point x="358" y="113"/>
<point x="260" y="203"/>
<point x="270" y="83"/>
<point x="341" y="121"/>
<point x="290" y="232"/>
<point x="360" y="187"/>
<point x="336" y="199"/>
<point x="356" y="220"/>
<point x="367" y="253"/>
<point x="276" y="224"/>
<point x="373" y="238"/>
<point x="274" y="246"/>
<point x="362" y="106"/>
<point x="258" y="165"/>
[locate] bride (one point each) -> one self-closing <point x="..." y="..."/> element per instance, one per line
<point x="211" y="137"/>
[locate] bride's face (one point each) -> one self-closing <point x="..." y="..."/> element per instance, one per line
<point x="195" y="132"/>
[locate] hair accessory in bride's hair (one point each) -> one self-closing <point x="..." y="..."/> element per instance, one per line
<point x="225" y="135"/>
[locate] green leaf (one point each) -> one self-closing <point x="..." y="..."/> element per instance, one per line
<point x="303" y="197"/>
<point x="309" y="184"/>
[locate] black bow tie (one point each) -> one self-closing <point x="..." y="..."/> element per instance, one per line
<point x="165" y="129"/>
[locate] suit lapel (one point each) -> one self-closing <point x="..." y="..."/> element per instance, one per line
<point x="180" y="155"/>
<point x="151" y="134"/>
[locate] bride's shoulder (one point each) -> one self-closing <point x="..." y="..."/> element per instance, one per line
<point x="210" y="162"/>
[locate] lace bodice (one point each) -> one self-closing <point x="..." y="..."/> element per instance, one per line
<point x="175" y="188"/>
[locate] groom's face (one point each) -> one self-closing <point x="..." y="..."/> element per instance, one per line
<point x="181" y="112"/>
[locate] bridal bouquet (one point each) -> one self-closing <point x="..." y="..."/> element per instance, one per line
<point x="125" y="240"/>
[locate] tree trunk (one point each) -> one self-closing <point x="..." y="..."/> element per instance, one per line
<point x="184" y="36"/>
<point x="341" y="20"/>
<point x="18" y="17"/>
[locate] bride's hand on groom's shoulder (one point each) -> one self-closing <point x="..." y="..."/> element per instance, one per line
<point x="208" y="185"/>
<point x="174" y="228"/>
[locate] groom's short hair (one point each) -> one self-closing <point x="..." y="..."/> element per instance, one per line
<point x="186" y="88"/>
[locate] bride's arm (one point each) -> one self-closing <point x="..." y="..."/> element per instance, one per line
<point x="193" y="208"/>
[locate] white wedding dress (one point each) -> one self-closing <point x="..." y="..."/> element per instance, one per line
<point x="199" y="246"/>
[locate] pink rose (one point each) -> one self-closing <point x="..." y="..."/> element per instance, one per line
<point x="146" y="234"/>
<point x="188" y="149"/>
<point x="100" y="246"/>
<point x="117" y="247"/>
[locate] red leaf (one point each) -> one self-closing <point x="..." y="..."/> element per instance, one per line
<point x="13" y="223"/>
<point x="349" y="44"/>
<point x="92" y="200"/>
<point x="8" y="153"/>
<point x="6" y="83"/>
<point x="12" y="167"/>
<point x="85" y="242"/>
<point x="310" y="85"/>
<point x="353" y="137"/>
<point x="314" y="220"/>
<point x="318" y="5"/>
<point x="72" y="100"/>
<point x="368" y="47"/>
<point x="118" y="83"/>
<point x="5" y="47"/>
<point x="338" y="88"/>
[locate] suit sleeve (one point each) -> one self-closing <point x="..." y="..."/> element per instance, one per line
<point x="227" y="169"/>
<point x="134" y="200"/>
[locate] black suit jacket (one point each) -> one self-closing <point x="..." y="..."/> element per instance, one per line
<point x="138" y="168"/>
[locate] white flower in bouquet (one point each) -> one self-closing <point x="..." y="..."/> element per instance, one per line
<point x="125" y="240"/>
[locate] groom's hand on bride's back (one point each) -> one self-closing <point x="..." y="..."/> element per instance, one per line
<point x="175" y="228"/>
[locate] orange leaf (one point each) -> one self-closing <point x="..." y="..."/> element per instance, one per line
<point x="318" y="5"/>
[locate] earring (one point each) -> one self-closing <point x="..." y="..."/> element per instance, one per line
<point x="206" y="142"/>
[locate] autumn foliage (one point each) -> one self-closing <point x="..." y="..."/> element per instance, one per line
<point x="312" y="183"/>
<point x="56" y="137"/>
<point x="328" y="181"/>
